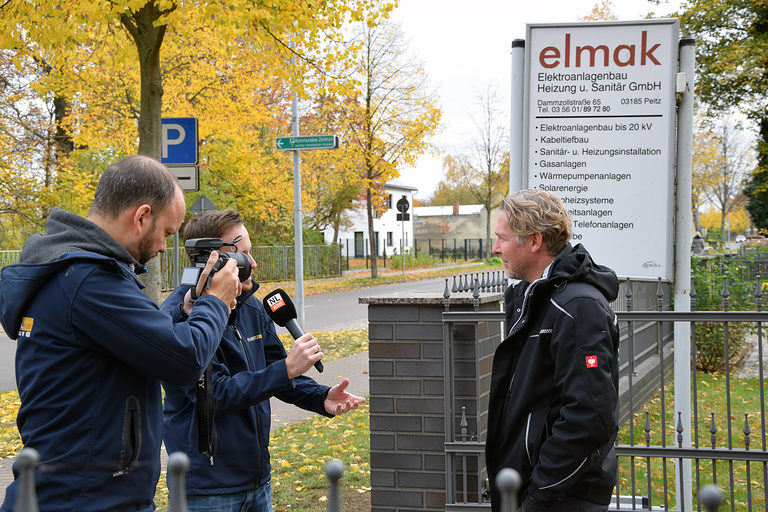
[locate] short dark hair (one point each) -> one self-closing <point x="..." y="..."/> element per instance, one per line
<point x="211" y="224"/>
<point x="133" y="181"/>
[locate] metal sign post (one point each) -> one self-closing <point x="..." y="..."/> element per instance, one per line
<point x="179" y="153"/>
<point x="402" y="207"/>
<point x="297" y="144"/>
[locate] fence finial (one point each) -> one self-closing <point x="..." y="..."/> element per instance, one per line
<point x="508" y="481"/>
<point x="711" y="497"/>
<point x="724" y="293"/>
<point x="747" y="431"/>
<point x="463" y="423"/>
<point x="759" y="300"/>
<point x="333" y="471"/>
<point x="178" y="464"/>
<point x="693" y="295"/>
<point x="659" y="296"/>
<point x="26" y="501"/>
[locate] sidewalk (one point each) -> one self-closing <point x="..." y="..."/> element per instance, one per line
<point x="751" y="365"/>
<point x="355" y="368"/>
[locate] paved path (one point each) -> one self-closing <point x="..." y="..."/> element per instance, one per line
<point x="751" y="366"/>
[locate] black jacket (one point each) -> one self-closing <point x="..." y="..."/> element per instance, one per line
<point x="554" y="387"/>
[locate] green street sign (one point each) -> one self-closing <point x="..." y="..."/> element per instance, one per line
<point x="307" y="142"/>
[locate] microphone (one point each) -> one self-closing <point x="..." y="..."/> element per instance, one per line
<point x="281" y="310"/>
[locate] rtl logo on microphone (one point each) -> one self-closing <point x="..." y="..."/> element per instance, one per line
<point x="275" y="302"/>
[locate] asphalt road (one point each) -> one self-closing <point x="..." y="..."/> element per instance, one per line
<point x="323" y="312"/>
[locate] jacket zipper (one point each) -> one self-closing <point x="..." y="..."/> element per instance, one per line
<point x="527" y="431"/>
<point x="528" y="294"/>
<point x="522" y="313"/>
<point x="253" y="408"/>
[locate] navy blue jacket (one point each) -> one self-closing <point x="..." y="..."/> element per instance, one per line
<point x="248" y="369"/>
<point x="91" y="351"/>
<point x="554" y="388"/>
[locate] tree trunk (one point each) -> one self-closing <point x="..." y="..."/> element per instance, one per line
<point x="723" y="213"/>
<point x="148" y="39"/>
<point x="64" y="143"/>
<point x="371" y="235"/>
<point x="488" y="252"/>
<point x="757" y="184"/>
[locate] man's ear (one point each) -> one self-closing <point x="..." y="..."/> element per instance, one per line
<point x="141" y="217"/>
<point x="537" y="242"/>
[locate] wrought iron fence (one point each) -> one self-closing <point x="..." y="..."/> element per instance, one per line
<point x="652" y="455"/>
<point x="273" y="263"/>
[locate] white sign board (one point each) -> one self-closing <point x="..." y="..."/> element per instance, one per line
<point x="600" y="133"/>
<point x="188" y="176"/>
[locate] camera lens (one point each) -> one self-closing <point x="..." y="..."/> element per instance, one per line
<point x="243" y="264"/>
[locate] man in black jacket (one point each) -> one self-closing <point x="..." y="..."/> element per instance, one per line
<point x="554" y="388"/>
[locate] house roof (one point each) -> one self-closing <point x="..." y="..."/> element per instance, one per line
<point x="400" y="186"/>
<point x="438" y="211"/>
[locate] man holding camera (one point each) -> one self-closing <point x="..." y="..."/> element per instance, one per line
<point x="230" y="469"/>
<point x="92" y="347"/>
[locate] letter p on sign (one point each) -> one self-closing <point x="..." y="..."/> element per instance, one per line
<point x="179" y="144"/>
<point x="172" y="129"/>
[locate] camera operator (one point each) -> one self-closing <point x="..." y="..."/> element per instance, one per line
<point x="249" y="367"/>
<point x="92" y="347"/>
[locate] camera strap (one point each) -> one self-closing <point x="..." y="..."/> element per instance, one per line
<point x="204" y="414"/>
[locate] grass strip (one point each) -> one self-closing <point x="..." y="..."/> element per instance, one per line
<point x="299" y="453"/>
<point x="335" y="344"/>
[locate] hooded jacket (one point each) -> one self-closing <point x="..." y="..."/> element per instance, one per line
<point x="90" y="354"/>
<point x="554" y="386"/>
<point x="248" y="369"/>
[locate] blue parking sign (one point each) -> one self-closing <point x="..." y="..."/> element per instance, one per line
<point x="179" y="144"/>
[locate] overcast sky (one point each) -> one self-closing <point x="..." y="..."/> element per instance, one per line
<point x="465" y="47"/>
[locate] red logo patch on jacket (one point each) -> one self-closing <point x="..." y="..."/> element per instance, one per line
<point x="591" y="361"/>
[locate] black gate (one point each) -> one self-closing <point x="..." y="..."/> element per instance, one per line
<point x="728" y="440"/>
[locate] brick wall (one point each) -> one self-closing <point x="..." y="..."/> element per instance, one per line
<point x="407" y="416"/>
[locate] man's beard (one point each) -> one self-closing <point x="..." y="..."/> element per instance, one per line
<point x="144" y="251"/>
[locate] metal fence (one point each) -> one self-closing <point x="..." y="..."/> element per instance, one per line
<point x="178" y="464"/>
<point x="452" y="249"/>
<point x="273" y="263"/>
<point x="728" y="439"/>
<point x="9" y="257"/>
<point x="750" y="264"/>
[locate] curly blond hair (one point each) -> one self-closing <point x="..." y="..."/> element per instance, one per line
<point x="537" y="211"/>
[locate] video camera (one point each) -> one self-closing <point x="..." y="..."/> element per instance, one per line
<point x="199" y="249"/>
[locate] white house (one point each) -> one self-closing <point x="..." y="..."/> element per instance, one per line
<point x="388" y="230"/>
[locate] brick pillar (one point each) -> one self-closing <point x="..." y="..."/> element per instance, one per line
<point x="407" y="414"/>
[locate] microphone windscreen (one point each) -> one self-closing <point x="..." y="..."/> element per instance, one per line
<point x="279" y="307"/>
